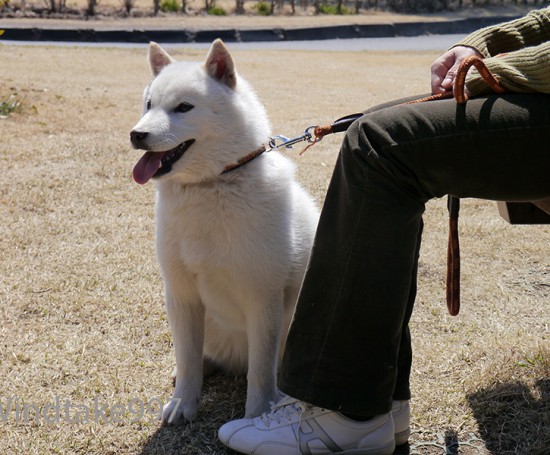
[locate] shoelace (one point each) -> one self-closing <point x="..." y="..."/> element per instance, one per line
<point x="286" y="409"/>
<point x="291" y="410"/>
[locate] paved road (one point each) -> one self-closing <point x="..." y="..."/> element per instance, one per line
<point x="424" y="42"/>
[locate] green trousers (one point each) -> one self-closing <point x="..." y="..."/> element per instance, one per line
<point x="349" y="345"/>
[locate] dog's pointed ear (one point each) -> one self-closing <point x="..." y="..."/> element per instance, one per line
<point x="219" y="64"/>
<point x="158" y="58"/>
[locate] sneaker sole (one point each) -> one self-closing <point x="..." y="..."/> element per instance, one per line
<point x="388" y="449"/>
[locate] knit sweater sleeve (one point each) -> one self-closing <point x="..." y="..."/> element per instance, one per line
<point x="517" y="52"/>
<point x="530" y="30"/>
<point x="525" y="70"/>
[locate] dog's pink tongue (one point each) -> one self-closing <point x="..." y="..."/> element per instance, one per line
<point x="146" y="167"/>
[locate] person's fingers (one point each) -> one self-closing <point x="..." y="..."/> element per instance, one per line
<point x="445" y="68"/>
<point x="447" y="83"/>
<point x="439" y="72"/>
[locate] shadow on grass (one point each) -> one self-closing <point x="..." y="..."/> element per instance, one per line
<point x="512" y="420"/>
<point x="223" y="399"/>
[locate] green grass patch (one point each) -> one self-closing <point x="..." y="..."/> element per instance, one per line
<point x="263" y="8"/>
<point x="169" y="6"/>
<point x="9" y="105"/>
<point x="333" y="10"/>
<point x="217" y="11"/>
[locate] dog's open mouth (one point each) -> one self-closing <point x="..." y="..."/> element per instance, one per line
<point x="155" y="164"/>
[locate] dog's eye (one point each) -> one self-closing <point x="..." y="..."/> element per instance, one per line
<point x="183" y="107"/>
<point x="148" y="104"/>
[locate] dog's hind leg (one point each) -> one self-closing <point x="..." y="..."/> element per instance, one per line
<point x="290" y="298"/>
<point x="264" y="322"/>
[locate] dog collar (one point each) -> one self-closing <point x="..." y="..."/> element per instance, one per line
<point x="245" y="159"/>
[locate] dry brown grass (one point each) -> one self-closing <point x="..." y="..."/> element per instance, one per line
<point x="81" y="295"/>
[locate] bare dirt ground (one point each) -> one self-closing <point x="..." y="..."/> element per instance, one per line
<point x="85" y="350"/>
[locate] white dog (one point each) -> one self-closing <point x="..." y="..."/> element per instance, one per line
<point x="234" y="229"/>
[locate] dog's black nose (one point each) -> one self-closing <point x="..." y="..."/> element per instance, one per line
<point x="137" y="137"/>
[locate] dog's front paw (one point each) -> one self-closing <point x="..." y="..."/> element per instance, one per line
<point x="177" y="412"/>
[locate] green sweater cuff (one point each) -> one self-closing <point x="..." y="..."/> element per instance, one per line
<point x="526" y="70"/>
<point x="525" y="66"/>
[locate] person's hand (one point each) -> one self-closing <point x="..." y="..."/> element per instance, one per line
<point x="444" y="68"/>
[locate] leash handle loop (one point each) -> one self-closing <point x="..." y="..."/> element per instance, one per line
<point x="460" y="79"/>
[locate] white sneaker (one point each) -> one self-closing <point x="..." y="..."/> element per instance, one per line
<point x="294" y="427"/>
<point x="401" y="414"/>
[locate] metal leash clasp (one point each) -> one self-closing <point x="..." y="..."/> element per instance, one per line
<point x="279" y="141"/>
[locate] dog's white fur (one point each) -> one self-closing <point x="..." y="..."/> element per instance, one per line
<point x="232" y="248"/>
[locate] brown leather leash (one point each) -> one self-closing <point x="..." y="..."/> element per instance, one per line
<point x="453" y="203"/>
